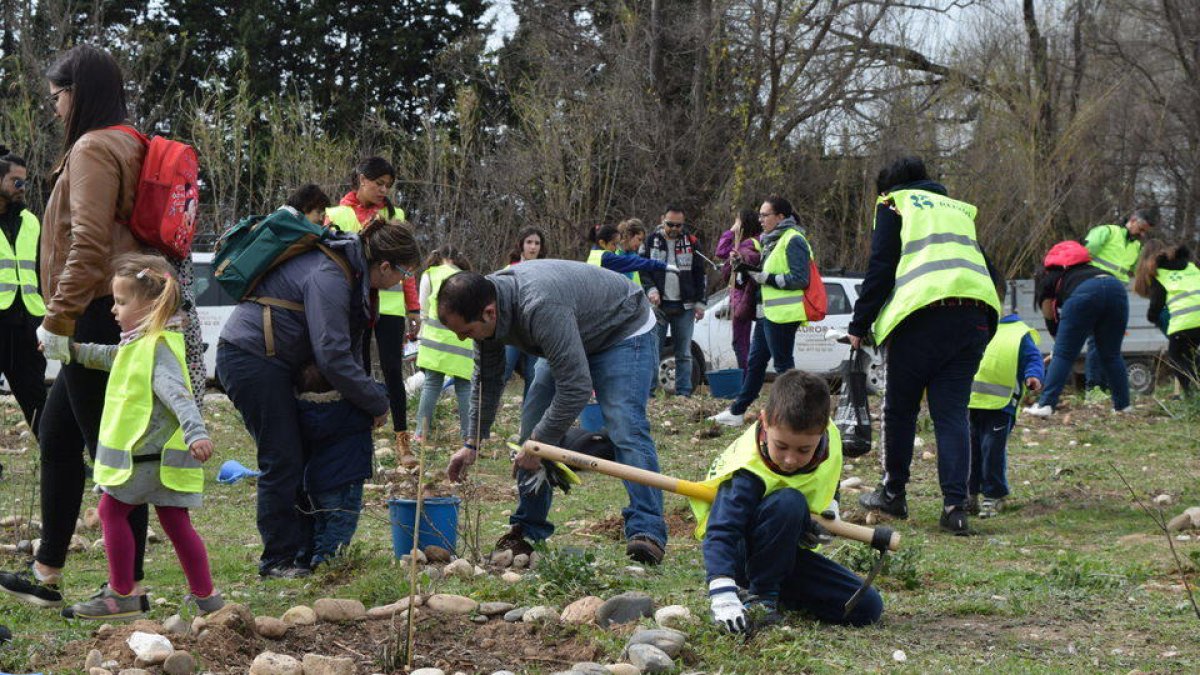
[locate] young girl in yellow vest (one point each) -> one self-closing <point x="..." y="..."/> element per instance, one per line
<point x="606" y="250"/>
<point x="439" y="352"/>
<point x="758" y="534"/>
<point x="1011" y="365"/>
<point x="152" y="438"/>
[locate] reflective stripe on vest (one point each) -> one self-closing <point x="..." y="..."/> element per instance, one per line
<point x="440" y="349"/>
<point x="997" y="381"/>
<point x="596" y="257"/>
<point x="939" y="257"/>
<point x="1183" y="297"/>
<point x="818" y="487"/>
<point x="128" y="404"/>
<point x="1119" y="254"/>
<point x="779" y="305"/>
<point x="18" y="267"/>
<point x="391" y="300"/>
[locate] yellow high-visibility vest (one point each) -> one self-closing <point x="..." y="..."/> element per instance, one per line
<point x="391" y="300"/>
<point x="779" y="305"/>
<point x="939" y="257"/>
<point x="128" y="402"/>
<point x="596" y="257"/>
<point x="997" y="382"/>
<point x="18" y="267"/>
<point x="1118" y="255"/>
<point x="1183" y="297"/>
<point x="439" y="348"/>
<point x="818" y="487"/>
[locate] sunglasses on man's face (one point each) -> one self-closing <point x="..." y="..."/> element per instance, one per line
<point x="668" y="223"/>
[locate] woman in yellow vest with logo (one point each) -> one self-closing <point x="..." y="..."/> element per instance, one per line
<point x="929" y="299"/>
<point x="758" y="535"/>
<point x="373" y="179"/>
<point x="1172" y="281"/>
<point x="152" y="438"/>
<point x="440" y="353"/>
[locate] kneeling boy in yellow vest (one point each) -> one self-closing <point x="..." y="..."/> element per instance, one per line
<point x="758" y="534"/>
<point x="1011" y="364"/>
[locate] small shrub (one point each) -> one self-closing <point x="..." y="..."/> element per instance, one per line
<point x="899" y="568"/>
<point x="571" y="572"/>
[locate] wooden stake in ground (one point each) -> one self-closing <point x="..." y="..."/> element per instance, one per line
<point x="412" y="558"/>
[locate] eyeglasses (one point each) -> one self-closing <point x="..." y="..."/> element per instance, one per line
<point x="765" y="215"/>
<point x="53" y="97"/>
<point x="667" y="223"/>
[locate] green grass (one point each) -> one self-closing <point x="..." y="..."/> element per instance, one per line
<point x="1074" y="577"/>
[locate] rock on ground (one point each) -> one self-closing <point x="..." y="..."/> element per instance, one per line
<point x="624" y="608"/>
<point x="99" y="671"/>
<point x="541" y="614"/>
<point x="270" y="663"/>
<point x="179" y="663"/>
<point x="93" y="660"/>
<point x="437" y="554"/>
<point x="339" y="610"/>
<point x="176" y="625"/>
<point x="270" y="627"/>
<point x="623" y="669"/>
<point x="150" y="647"/>
<point x="510" y="577"/>
<point x="520" y="561"/>
<point x="494" y="608"/>
<point x="461" y="568"/>
<point x="589" y="668"/>
<point x="650" y="659"/>
<point x="670" y="641"/>
<point x="236" y="617"/>
<point x="428" y="671"/>
<point x="582" y="610"/>
<point x="673" y="616"/>
<point x="1188" y="520"/>
<point x="451" y="604"/>
<point x="515" y="615"/>
<point x="300" y="615"/>
<point x="502" y="557"/>
<point x="316" y="664"/>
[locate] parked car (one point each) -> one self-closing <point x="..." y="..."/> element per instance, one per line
<point x="712" y="339"/>
<point x="213" y="305"/>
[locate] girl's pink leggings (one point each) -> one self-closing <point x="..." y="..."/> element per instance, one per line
<point x="119" y="546"/>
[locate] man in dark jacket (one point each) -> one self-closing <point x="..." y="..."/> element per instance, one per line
<point x="681" y="296"/>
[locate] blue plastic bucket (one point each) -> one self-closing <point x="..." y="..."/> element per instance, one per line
<point x="724" y="383"/>
<point x="592" y="419"/>
<point x="439" y="523"/>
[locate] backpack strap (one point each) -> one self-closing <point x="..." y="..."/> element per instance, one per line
<point x="132" y="132"/>
<point x="267" y="302"/>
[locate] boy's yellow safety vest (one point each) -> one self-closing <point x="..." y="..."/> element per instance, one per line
<point x="128" y="402"/>
<point x="18" y="267"/>
<point x="439" y="348"/>
<point x="818" y="487"/>
<point x="997" y="382"/>
<point x="939" y="257"/>
<point x="1118" y="255"/>
<point x="779" y="305"/>
<point x="391" y="300"/>
<point x="596" y="257"/>
<point x="1183" y="297"/>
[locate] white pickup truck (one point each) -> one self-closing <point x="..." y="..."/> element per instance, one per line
<point x="712" y="339"/>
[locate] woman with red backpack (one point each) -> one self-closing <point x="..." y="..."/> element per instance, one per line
<point x="1079" y="301"/>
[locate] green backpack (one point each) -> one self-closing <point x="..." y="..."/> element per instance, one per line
<point x="257" y="244"/>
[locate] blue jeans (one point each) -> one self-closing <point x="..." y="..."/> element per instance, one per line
<point x="335" y="519"/>
<point x="431" y="391"/>
<point x="775" y="567"/>
<point x="989" y="452"/>
<point x="621" y="379"/>
<point x="1099" y="308"/>
<point x="680" y="322"/>
<point x="771" y="342"/>
<point x="1093" y="372"/>
<point x="514" y="357"/>
<point x="933" y="354"/>
<point x="262" y="392"/>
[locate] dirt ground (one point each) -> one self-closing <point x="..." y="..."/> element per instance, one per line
<point x="452" y="643"/>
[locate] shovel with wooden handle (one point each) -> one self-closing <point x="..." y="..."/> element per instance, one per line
<point x="882" y="539"/>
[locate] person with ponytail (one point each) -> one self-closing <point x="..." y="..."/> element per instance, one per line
<point x="152" y="438"/>
<point x="334" y="296"/>
<point x="441" y="354"/>
<point x="399" y="307"/>
<point x="606" y="240"/>
<point x="1168" y="277"/>
<point x="83" y="230"/>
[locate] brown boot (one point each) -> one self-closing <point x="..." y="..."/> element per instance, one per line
<point x="404" y="454"/>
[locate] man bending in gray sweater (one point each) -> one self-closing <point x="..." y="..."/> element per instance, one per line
<point x="595" y="332"/>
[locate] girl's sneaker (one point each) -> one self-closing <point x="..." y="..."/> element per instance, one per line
<point x="990" y="508"/>
<point x="107" y="605"/>
<point x="205" y="605"/>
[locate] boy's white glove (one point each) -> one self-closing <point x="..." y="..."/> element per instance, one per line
<point x="672" y="269"/>
<point x="727" y="609"/>
<point x="56" y="347"/>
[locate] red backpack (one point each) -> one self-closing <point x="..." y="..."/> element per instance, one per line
<point x="815" y="301"/>
<point x="167" y="197"/>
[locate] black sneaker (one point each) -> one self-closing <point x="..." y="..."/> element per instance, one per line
<point x="26" y="586"/>
<point x="954" y="521"/>
<point x="284" y="572"/>
<point x="885" y="502"/>
<point x="645" y="550"/>
<point x="514" y="540"/>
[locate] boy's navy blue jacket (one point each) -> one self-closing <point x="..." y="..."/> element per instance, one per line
<point x="730" y="519"/>
<point x="1029" y="363"/>
<point x="337" y="443"/>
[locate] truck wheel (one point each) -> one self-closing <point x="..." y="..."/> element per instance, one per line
<point x="1141" y="376"/>
<point x="666" y="368"/>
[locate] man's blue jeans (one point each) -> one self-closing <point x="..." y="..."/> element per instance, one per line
<point x="681" y="322"/>
<point x="771" y="341"/>
<point x="1099" y="307"/>
<point x="621" y="379"/>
